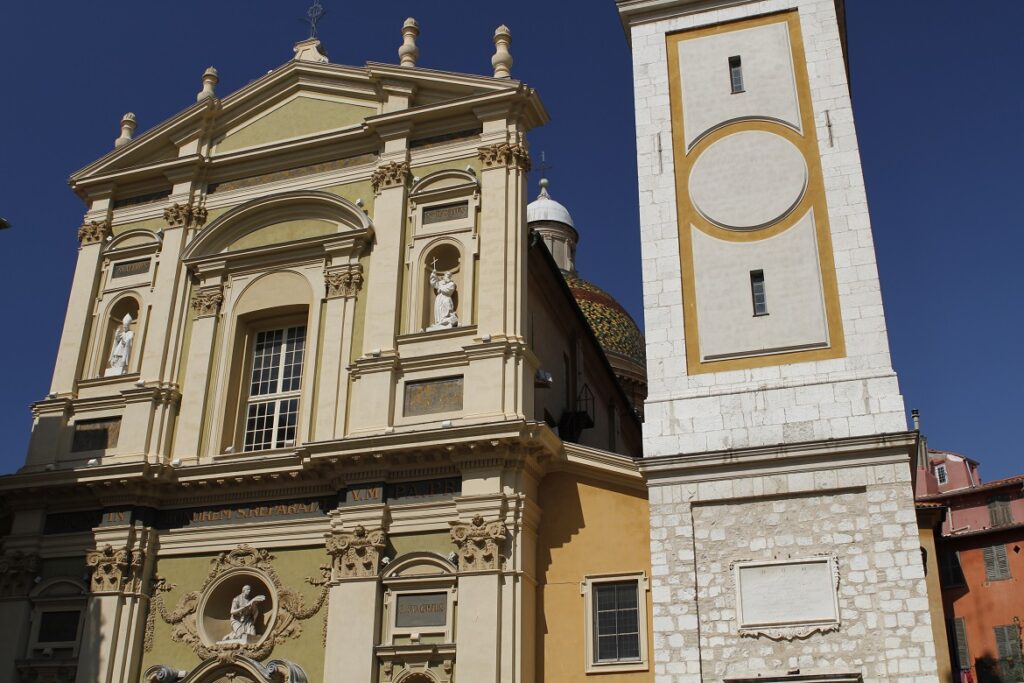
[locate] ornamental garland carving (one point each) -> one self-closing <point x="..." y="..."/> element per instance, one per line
<point x="206" y="302"/>
<point x="183" y="215"/>
<point x="344" y="283"/>
<point x="114" y="569"/>
<point x="18" y="571"/>
<point x="505" y="154"/>
<point x="480" y="544"/>
<point x="389" y="174"/>
<point x="93" y="232"/>
<point x="356" y="554"/>
<point x="292" y="608"/>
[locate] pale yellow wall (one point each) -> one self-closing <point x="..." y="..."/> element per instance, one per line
<point x="587" y="528"/>
<point x="286" y="231"/>
<point x="151" y="224"/>
<point x="302" y="116"/>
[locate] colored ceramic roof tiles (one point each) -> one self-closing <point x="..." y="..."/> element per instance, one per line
<point x="614" y="328"/>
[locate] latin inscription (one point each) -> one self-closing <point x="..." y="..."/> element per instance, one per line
<point x="403" y="492"/>
<point x="422" y="609"/>
<point x="126" y="268"/>
<point x="170" y="519"/>
<point x="448" y="212"/>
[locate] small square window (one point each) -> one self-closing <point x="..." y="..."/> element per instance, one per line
<point x="736" y="74"/>
<point x="616" y="629"/>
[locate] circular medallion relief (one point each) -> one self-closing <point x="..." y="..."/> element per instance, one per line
<point x="239" y="608"/>
<point x="748" y="180"/>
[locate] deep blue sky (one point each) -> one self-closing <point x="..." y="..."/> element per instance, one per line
<point x="936" y="90"/>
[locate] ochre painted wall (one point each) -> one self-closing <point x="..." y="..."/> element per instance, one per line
<point x="586" y="528"/>
<point x="931" y="568"/>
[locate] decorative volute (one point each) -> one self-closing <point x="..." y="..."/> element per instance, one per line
<point x="310" y="50"/>
<point x="502" y="59"/>
<point x="408" y="53"/>
<point x="210" y="78"/>
<point x="128" y="125"/>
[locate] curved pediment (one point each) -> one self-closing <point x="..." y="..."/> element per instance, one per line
<point x="278" y="219"/>
<point x="421" y="564"/>
<point x="445" y="180"/>
<point x="237" y="668"/>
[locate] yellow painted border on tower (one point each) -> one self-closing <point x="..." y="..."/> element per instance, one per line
<point x="812" y="200"/>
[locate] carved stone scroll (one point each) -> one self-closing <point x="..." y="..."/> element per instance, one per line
<point x="505" y="154"/>
<point x="206" y="302"/>
<point x="390" y="174"/>
<point x="18" y="570"/>
<point x="93" y="232"/>
<point x="356" y="554"/>
<point x="480" y="544"/>
<point x="345" y="282"/>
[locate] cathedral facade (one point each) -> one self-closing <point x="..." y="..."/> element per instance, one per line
<point x="332" y="402"/>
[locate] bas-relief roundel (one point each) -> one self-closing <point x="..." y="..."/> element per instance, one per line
<point x="748" y="180"/>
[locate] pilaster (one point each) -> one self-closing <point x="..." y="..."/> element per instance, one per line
<point x="18" y="572"/>
<point x="342" y="285"/>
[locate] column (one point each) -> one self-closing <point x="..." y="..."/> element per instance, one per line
<point x="112" y="636"/>
<point x="206" y="308"/>
<point x="71" y="352"/>
<point x="355" y="544"/>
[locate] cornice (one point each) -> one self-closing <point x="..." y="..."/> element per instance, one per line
<point x="879" y="449"/>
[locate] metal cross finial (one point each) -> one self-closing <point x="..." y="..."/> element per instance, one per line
<point x="544" y="166"/>
<point x="433" y="264"/>
<point x="314" y="14"/>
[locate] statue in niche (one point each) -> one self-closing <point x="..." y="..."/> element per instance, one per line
<point x="244" y="612"/>
<point x="444" y="304"/>
<point x="121" y="352"/>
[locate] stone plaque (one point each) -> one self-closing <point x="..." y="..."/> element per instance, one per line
<point x="421" y="609"/>
<point x="126" y="268"/>
<point x="448" y="212"/>
<point x="787" y="593"/>
<point x="433" y="396"/>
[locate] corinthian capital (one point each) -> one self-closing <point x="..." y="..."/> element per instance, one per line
<point x="17" y="572"/>
<point x="345" y="282"/>
<point x="390" y="174"/>
<point x="183" y="215"/>
<point x="93" y="231"/>
<point x="113" y="569"/>
<point x="356" y="553"/>
<point x="206" y="302"/>
<point x="480" y="544"/>
<point x="505" y="154"/>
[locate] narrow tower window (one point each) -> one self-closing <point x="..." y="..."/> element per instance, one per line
<point x="757" y="292"/>
<point x="736" y="74"/>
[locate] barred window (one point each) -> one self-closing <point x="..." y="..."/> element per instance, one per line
<point x="757" y="292"/>
<point x="273" y="407"/>
<point x="736" y="74"/>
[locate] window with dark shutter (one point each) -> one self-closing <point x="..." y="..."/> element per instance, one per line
<point x="958" y="635"/>
<point x="997" y="565"/>
<point x="951" y="573"/>
<point x="999" y="511"/>
<point x="1011" y="666"/>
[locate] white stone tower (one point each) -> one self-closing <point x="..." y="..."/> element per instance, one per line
<point x="784" y="540"/>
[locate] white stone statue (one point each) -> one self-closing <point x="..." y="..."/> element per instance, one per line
<point x="444" y="305"/>
<point x="121" y="352"/>
<point x="244" y="612"/>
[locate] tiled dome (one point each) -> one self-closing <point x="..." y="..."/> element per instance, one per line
<point x="614" y="328"/>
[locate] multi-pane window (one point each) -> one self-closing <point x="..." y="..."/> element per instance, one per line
<point x="616" y="622"/>
<point x="997" y="565"/>
<point x="273" y="406"/>
<point x="999" y="511"/>
<point x="736" y="74"/>
<point x="757" y="292"/>
<point x="951" y="573"/>
<point x="940" y="474"/>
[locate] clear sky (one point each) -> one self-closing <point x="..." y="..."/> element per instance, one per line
<point x="936" y="94"/>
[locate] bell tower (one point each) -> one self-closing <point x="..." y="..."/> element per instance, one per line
<point x="776" y="446"/>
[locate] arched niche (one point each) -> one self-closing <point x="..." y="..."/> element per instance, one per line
<point x="441" y="258"/>
<point x="111" y="320"/>
<point x="214" y="622"/>
<point x="287" y="217"/>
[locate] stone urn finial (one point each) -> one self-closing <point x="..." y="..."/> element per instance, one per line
<point x="128" y="124"/>
<point x="210" y="78"/>
<point x="502" y="59"/>
<point x="408" y="53"/>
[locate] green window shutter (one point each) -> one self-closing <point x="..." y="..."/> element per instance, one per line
<point x="997" y="565"/>
<point x="959" y="633"/>
<point x="1011" y="666"/>
<point x="999" y="511"/>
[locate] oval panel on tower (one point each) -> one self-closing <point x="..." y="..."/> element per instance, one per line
<point x="748" y="180"/>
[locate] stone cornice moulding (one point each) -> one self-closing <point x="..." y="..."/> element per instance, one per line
<point x="745" y="387"/>
<point x="882" y="449"/>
